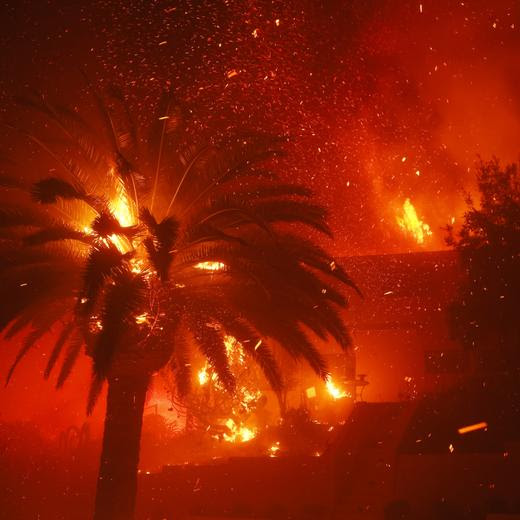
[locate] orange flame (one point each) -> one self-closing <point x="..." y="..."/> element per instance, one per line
<point x="239" y="433"/>
<point x="121" y="207"/>
<point x="334" y="391"/>
<point x="411" y="224"/>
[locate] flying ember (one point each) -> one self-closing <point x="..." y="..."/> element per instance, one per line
<point x="473" y="427"/>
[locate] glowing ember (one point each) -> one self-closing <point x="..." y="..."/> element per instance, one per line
<point x="411" y="224"/>
<point x="274" y="449"/>
<point x="334" y="391"/>
<point x="473" y="427"/>
<point x="95" y="324"/>
<point x="142" y="318"/>
<point x="210" y="266"/>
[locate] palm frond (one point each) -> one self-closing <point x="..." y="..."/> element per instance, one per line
<point x="180" y="365"/>
<point x="127" y="140"/>
<point x="25" y="216"/>
<point x="255" y="347"/>
<point x="29" y="342"/>
<point x="56" y="234"/>
<point x="102" y="262"/>
<point x="235" y="216"/>
<point x="65" y="333"/>
<point x="293" y="211"/>
<point x="124" y="169"/>
<point x="35" y="287"/>
<point x="316" y="257"/>
<point x="211" y="343"/>
<point x="122" y="301"/>
<point x="167" y="122"/>
<point x="96" y="387"/>
<point x="73" y="351"/>
<point x="105" y="224"/>
<point x="160" y="243"/>
<point x="49" y="190"/>
<point x="8" y="181"/>
<point x="41" y="326"/>
<point x="189" y="167"/>
<point x="70" y="124"/>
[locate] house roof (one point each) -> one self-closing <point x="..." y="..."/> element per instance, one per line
<point x="402" y="290"/>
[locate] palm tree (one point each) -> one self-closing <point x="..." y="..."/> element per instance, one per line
<point x="135" y="248"/>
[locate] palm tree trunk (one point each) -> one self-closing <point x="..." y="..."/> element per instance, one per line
<point x="117" y="480"/>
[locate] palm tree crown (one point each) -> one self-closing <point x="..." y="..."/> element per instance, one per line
<point x="130" y="246"/>
<point x="134" y="244"/>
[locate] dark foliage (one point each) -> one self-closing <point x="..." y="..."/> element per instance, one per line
<point x="485" y="315"/>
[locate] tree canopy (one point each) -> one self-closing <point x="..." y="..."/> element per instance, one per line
<point x="485" y="315"/>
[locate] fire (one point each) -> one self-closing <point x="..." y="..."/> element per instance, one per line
<point x="203" y="376"/>
<point x="334" y="391"/>
<point x="137" y="265"/>
<point x="243" y="400"/>
<point x="210" y="266"/>
<point x="411" y="224"/>
<point x="121" y="208"/>
<point x="239" y="433"/>
<point x="234" y="350"/>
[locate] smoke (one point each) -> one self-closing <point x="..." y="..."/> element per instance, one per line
<point x="438" y="89"/>
<point x="383" y="100"/>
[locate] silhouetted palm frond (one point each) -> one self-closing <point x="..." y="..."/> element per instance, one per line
<point x="103" y="261"/>
<point x="211" y="343"/>
<point x="124" y="298"/>
<point x="56" y="234"/>
<point x="58" y="347"/>
<point x="160" y="243"/>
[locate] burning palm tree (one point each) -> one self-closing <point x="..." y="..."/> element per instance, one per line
<point x="134" y="248"/>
